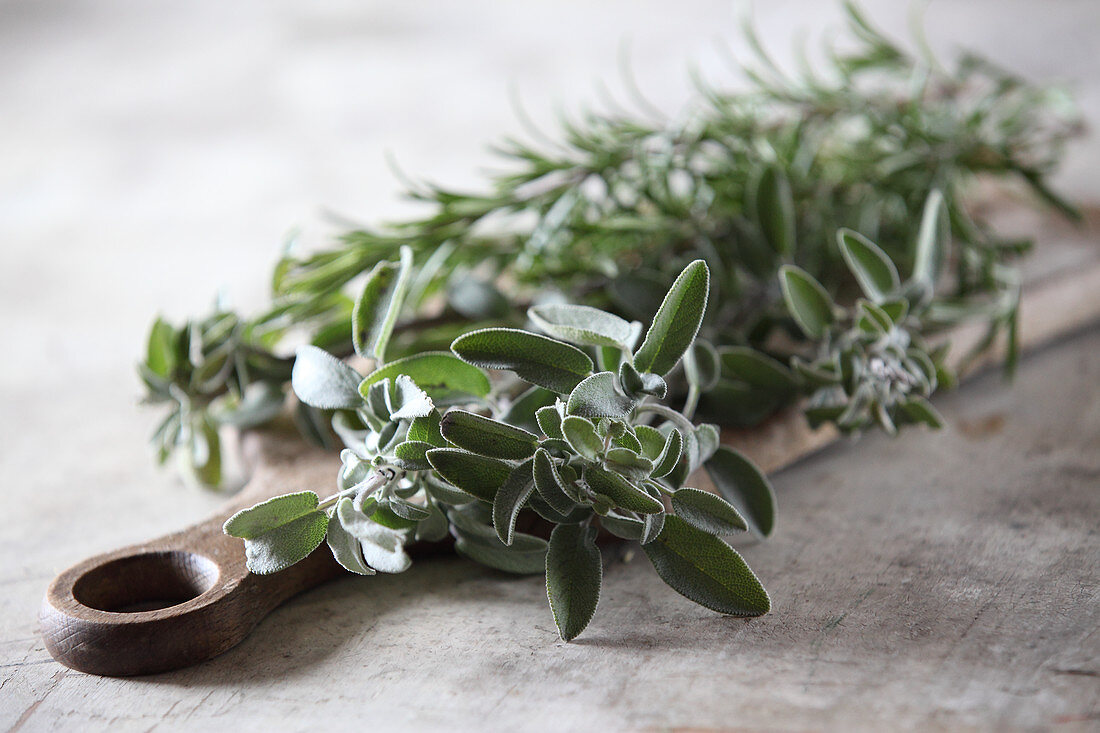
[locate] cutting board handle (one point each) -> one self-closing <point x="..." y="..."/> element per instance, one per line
<point x="186" y="597"/>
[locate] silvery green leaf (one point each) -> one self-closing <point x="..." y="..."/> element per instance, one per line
<point x="500" y="556"/>
<point x="384" y="516"/>
<point x="549" y="420"/>
<point x="896" y="310"/>
<point x="584" y="325"/>
<point x="599" y="396"/>
<point x="577" y="515"/>
<point x="379" y="304"/>
<point x="707" y="512"/>
<point x="271" y="514"/>
<point x="549" y="484"/>
<point x="407" y="510"/>
<point x="377" y="408"/>
<point x="509" y="500"/>
<point x="638" y="384"/>
<point x="581" y="435"/>
<point x="350" y="428"/>
<point x="345" y="547"/>
<point x="757" y="369"/>
<point x="742" y="484"/>
<point x="323" y="381"/>
<point x="652" y="524"/>
<point x="574" y="572"/>
<point x="701" y="365"/>
<point x="651" y="440"/>
<point x="475" y="298"/>
<point x="161" y="356"/>
<point x="411" y="455"/>
<point x="283" y="546"/>
<point x="873" y="269"/>
<point x="426" y="430"/>
<point x="542" y="361"/>
<point x="204" y="459"/>
<point x="873" y="319"/>
<point x="628" y="440"/>
<point x="434" y="528"/>
<point x="707" y="438"/>
<point x="487" y="437"/>
<point x="706" y="570"/>
<point x="629" y="463"/>
<point x="445" y="493"/>
<point x="623" y="493"/>
<point x="383" y="548"/>
<point x="774" y="206"/>
<point x="406" y="401"/>
<point x="478" y="476"/>
<point x="671" y="450"/>
<point x="930" y="240"/>
<point x="446" y="378"/>
<point x="920" y="410"/>
<point x="354" y="469"/>
<point x="676" y="322"/>
<point x="808" y="302"/>
<point x="521" y="411"/>
<point x="626" y="528"/>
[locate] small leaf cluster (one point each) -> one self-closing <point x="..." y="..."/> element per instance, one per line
<point x="570" y="439"/>
<point x="210" y="372"/>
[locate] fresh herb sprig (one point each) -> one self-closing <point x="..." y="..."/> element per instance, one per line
<point x="524" y="483"/>
<point x="750" y="182"/>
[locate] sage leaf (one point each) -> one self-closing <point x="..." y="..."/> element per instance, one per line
<point x="626" y="528"/>
<point x="382" y="547"/>
<point x="599" y="396"/>
<point x="629" y="463"/>
<point x="619" y="490"/>
<point x="775" y="209"/>
<point x="757" y="369"/>
<point x="930" y="240"/>
<point x="446" y="378"/>
<point x="509" y="500"/>
<point x="487" y="437"/>
<point x="669" y="456"/>
<point x="873" y="269"/>
<point x="581" y="434"/>
<point x="406" y="401"/>
<point x="652" y="524"/>
<point x="521" y="411"/>
<point x="345" y="547"/>
<point x="412" y="455"/>
<point x="702" y="365"/>
<point x="160" y="357"/>
<point x="254" y="521"/>
<point x="637" y="384"/>
<point x="549" y="420"/>
<point x="585" y="326"/>
<point x="478" y="476"/>
<point x="574" y="573"/>
<point x="808" y="302"/>
<point x="706" y="570"/>
<point x="379" y="304"/>
<point x="501" y="557"/>
<point x="321" y="380"/>
<point x="542" y="361"/>
<point x="426" y="429"/>
<point x="434" y="527"/>
<point x="707" y="512"/>
<point x="550" y="485"/>
<point x="651" y="440"/>
<point x="920" y="410"/>
<point x="742" y="484"/>
<point x="677" y="321"/>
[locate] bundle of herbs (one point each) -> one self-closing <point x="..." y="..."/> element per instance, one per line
<point x="823" y="218"/>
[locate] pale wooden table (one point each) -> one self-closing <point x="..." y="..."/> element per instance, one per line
<point x="948" y="582"/>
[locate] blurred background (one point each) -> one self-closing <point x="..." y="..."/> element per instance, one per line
<point x="155" y="154"/>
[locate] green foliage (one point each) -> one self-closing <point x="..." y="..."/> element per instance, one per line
<point x="574" y="572"/>
<point x="542" y="361"/>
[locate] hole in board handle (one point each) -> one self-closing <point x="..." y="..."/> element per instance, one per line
<point x="146" y="582"/>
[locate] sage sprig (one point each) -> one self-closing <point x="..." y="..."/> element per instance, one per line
<point x="605" y="455"/>
<point x="754" y="183"/>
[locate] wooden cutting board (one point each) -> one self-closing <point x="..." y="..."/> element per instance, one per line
<point x="181" y="599"/>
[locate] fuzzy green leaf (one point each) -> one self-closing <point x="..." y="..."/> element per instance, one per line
<point x="581" y="434"/>
<point x="254" y="521"/>
<point x="549" y="484"/>
<point x="873" y="269"/>
<point x="808" y="302"/>
<point x="487" y="437"/>
<point x="638" y="384"/>
<point x="930" y="241"/>
<point x="670" y="454"/>
<point x="412" y="455"/>
<point x="477" y="475"/>
<point x="742" y="484"/>
<point x="706" y="570"/>
<point x="775" y="209"/>
<point x="585" y="326"/>
<point x="549" y="420"/>
<point x="543" y="361"/>
<point x="757" y="369"/>
<point x="344" y="545"/>
<point x="426" y="430"/>
<point x="323" y="381"/>
<point x="382" y="547"/>
<point x="677" y="321"/>
<point x="279" y="532"/>
<point x="619" y="490"/>
<point x="509" y="500"/>
<point x="574" y="573"/>
<point x="378" y="306"/>
<point x="599" y="396"/>
<point x="708" y="512"/>
<point x="446" y="378"/>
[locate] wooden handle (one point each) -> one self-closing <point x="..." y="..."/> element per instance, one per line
<point x="184" y="598"/>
